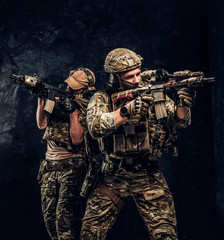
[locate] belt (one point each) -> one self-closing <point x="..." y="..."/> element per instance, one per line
<point x="126" y="160"/>
<point x="131" y="162"/>
<point x="124" y="163"/>
<point x="58" y="165"/>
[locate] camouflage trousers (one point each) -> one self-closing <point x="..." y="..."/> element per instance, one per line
<point x="62" y="207"/>
<point x="151" y="195"/>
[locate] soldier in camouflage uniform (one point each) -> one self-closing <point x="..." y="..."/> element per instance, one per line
<point x="132" y="139"/>
<point x="61" y="173"/>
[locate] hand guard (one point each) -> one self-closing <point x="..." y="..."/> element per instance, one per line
<point x="140" y="106"/>
<point x="37" y="91"/>
<point x="67" y="105"/>
<point x="186" y="97"/>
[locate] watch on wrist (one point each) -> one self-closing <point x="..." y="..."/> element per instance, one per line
<point x="124" y="112"/>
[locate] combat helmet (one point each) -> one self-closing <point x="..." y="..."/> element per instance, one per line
<point x="118" y="61"/>
<point x="122" y="60"/>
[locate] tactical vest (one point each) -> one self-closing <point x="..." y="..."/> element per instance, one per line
<point x="58" y="131"/>
<point x="139" y="137"/>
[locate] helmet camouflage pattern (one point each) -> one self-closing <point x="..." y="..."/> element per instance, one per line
<point x="122" y="60"/>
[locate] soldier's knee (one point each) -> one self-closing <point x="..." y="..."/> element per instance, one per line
<point x="165" y="232"/>
<point x="86" y="232"/>
<point x="93" y="231"/>
<point x="89" y="235"/>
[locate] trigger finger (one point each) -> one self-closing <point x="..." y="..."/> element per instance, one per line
<point x="144" y="104"/>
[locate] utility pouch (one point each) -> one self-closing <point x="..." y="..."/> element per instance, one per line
<point x="133" y="139"/>
<point x="119" y="144"/>
<point x="131" y="143"/>
<point x="143" y="142"/>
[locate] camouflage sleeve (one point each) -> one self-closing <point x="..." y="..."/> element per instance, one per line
<point x="171" y="110"/>
<point x="100" y="118"/>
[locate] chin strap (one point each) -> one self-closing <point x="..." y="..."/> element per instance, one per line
<point x="124" y="84"/>
<point x="119" y="81"/>
<point x="128" y="85"/>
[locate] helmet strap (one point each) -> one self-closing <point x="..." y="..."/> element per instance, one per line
<point x="126" y="85"/>
<point x="119" y="81"/>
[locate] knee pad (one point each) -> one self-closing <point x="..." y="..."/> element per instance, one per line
<point x="166" y="232"/>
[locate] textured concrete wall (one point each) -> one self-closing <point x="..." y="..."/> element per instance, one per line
<point x="50" y="38"/>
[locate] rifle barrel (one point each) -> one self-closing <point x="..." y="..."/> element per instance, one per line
<point x="211" y="79"/>
<point x="13" y="76"/>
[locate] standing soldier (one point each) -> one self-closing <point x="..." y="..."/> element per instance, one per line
<point x="132" y="139"/>
<point x="61" y="173"/>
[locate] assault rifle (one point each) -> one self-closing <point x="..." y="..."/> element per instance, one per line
<point x="43" y="90"/>
<point x="159" y="83"/>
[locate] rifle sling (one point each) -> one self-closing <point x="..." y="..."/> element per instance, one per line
<point x="118" y="202"/>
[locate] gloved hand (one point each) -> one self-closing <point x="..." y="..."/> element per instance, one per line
<point x="139" y="105"/>
<point x="67" y="105"/>
<point x="186" y="97"/>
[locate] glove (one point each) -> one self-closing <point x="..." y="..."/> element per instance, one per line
<point x="140" y="106"/>
<point x="186" y="97"/>
<point x="67" y="105"/>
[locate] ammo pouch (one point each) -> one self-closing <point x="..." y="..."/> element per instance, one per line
<point x="131" y="139"/>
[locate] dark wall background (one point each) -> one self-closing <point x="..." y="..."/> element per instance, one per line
<point x="50" y="38"/>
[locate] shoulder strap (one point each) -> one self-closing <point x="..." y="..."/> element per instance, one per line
<point x="118" y="202"/>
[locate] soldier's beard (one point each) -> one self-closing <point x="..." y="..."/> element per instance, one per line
<point x="128" y="85"/>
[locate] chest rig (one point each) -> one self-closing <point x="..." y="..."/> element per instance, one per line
<point x="58" y="131"/>
<point x="137" y="136"/>
<point x="131" y="139"/>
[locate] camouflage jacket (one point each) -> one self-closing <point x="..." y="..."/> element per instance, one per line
<point x="153" y="136"/>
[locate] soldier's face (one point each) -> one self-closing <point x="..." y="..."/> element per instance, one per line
<point x="131" y="79"/>
<point x="132" y="76"/>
